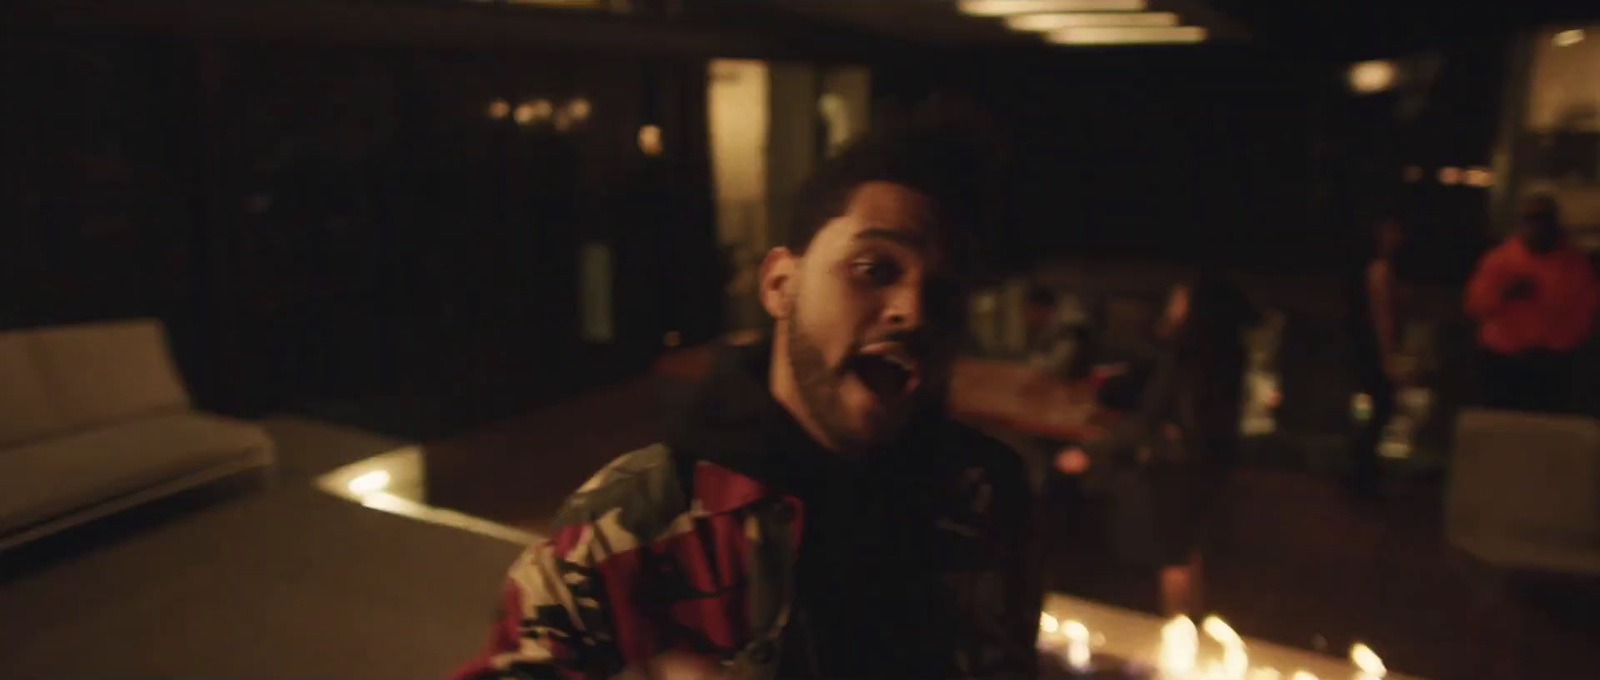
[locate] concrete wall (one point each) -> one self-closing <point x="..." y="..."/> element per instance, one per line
<point x="738" y="106"/>
<point x="846" y="105"/>
<point x="1564" y="95"/>
<point x="770" y="124"/>
<point x="792" y="143"/>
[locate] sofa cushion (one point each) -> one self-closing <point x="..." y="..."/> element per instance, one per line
<point x="102" y="373"/>
<point x="26" y="411"/>
<point x="43" y="480"/>
<point x="1525" y="479"/>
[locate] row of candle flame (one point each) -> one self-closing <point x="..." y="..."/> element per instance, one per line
<point x="1179" y="656"/>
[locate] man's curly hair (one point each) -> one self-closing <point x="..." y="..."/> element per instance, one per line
<point x="939" y="149"/>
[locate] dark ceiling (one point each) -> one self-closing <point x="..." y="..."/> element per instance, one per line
<point x="1366" y="28"/>
<point x="864" y="29"/>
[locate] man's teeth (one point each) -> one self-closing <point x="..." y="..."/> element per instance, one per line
<point x="903" y="363"/>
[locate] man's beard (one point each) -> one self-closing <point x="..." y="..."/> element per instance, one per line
<point x="818" y="385"/>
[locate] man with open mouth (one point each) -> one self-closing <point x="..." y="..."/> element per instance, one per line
<point x="817" y="514"/>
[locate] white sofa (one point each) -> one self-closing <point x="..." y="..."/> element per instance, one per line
<point x="94" y="419"/>
<point x="1524" y="491"/>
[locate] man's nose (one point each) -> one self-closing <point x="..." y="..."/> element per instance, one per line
<point x="903" y="307"/>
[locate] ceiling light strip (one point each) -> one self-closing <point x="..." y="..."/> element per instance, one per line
<point x="1128" y="35"/>
<point x="998" y="8"/>
<point x="1059" y="20"/>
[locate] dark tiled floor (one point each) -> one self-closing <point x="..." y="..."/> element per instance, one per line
<point x="1297" y="562"/>
<point x="519" y="470"/>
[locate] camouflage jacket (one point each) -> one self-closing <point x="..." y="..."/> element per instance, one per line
<point x="664" y="550"/>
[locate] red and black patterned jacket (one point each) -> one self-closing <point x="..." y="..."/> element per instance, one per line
<point x="694" y="546"/>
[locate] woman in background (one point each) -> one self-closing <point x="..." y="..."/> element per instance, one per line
<point x="1375" y="345"/>
<point x="1183" y="440"/>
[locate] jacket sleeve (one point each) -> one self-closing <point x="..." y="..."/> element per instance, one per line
<point x="1026" y="570"/>
<point x="550" y="624"/>
<point x="557" y="618"/>
<point x="1013" y="594"/>
<point x="1484" y="289"/>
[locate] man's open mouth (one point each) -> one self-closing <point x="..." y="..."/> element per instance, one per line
<point x="886" y="369"/>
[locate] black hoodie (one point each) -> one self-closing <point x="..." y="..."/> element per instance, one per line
<point x="884" y="537"/>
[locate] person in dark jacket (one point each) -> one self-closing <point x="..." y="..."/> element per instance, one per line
<point x="817" y="514"/>
<point x="1375" y="321"/>
<point x="1182" y="442"/>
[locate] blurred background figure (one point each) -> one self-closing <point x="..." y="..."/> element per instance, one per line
<point x="1057" y="343"/>
<point x="1375" y="322"/>
<point x="1058" y="333"/>
<point x="1195" y="397"/>
<point x="1534" y="298"/>
<point x="1175" y="452"/>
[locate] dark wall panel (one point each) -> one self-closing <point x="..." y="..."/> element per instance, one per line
<point x="327" y="223"/>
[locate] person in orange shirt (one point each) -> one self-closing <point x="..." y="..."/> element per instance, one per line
<point x="1535" y="298"/>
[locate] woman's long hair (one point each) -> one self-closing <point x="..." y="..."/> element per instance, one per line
<point x="1208" y="349"/>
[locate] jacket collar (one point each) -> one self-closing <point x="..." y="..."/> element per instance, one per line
<point x="744" y="445"/>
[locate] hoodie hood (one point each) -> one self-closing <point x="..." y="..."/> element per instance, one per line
<point x="733" y="421"/>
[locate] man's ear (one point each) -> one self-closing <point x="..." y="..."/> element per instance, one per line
<point x="777" y="279"/>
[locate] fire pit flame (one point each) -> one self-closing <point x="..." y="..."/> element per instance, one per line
<point x="1054" y="634"/>
<point x="1180" y="644"/>
<point x="1178" y="656"/>
<point x="1368" y="661"/>
<point x="1048" y="623"/>
<point x="1235" y="661"/>
<point x="1078" y="651"/>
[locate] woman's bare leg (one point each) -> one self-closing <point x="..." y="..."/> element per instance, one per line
<point x="1181" y="587"/>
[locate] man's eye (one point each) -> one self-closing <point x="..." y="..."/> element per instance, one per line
<point x="877" y="272"/>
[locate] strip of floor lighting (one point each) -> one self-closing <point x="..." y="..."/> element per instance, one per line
<point x="392" y="482"/>
<point x="406" y="507"/>
<point x="1128" y="35"/>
